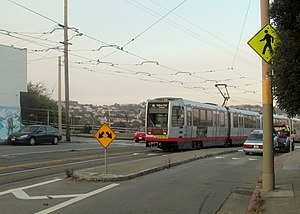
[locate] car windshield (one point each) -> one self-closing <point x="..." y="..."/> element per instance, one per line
<point x="255" y="137"/>
<point x="29" y="128"/>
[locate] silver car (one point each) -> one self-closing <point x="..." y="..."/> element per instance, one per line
<point x="254" y="143"/>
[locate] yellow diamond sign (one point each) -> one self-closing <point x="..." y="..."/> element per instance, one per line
<point x="264" y="42"/>
<point x="105" y="135"/>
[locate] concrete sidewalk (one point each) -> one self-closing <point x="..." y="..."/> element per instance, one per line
<point x="285" y="198"/>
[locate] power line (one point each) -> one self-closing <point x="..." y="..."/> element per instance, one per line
<point x="39" y="14"/>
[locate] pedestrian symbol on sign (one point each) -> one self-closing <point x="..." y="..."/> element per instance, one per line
<point x="269" y="40"/>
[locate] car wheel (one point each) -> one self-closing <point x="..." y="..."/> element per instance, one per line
<point x="32" y="141"/>
<point x="137" y="140"/>
<point x="55" y="140"/>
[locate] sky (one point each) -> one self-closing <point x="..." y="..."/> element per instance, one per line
<point x="129" y="51"/>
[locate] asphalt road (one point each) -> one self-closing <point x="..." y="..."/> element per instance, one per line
<point x="201" y="186"/>
<point x="21" y="162"/>
<point x="32" y="181"/>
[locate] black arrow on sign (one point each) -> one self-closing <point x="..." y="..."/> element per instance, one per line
<point x="101" y="135"/>
<point x="109" y="135"/>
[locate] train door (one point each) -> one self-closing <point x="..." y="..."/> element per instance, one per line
<point x="241" y="125"/>
<point x="216" y="127"/>
<point x="189" y="127"/>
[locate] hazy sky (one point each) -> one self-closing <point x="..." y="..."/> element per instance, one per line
<point x="128" y="51"/>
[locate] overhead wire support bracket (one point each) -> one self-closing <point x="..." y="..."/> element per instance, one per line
<point x="224" y="93"/>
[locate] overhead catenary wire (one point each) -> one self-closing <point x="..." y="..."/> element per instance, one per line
<point x="132" y="72"/>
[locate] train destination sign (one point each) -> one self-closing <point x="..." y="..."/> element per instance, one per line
<point x="105" y="135"/>
<point x="264" y="42"/>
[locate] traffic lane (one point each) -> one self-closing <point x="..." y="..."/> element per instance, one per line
<point x="201" y="186"/>
<point x="23" y="167"/>
<point x="46" y="196"/>
<point x="79" y="143"/>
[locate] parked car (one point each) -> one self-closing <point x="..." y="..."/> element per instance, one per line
<point x="254" y="143"/>
<point x="35" y="134"/>
<point x="282" y="139"/>
<point x="139" y="135"/>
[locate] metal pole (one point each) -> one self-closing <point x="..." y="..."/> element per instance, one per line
<point x="59" y="96"/>
<point x="66" y="59"/>
<point x="267" y="99"/>
<point x="105" y="160"/>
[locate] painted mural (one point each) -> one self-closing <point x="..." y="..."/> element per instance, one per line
<point x="10" y="117"/>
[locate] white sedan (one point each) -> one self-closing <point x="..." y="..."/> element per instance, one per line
<point x="254" y="143"/>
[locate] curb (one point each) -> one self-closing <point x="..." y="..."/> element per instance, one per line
<point x="112" y="177"/>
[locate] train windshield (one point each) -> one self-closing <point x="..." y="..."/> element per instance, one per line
<point x="157" y="116"/>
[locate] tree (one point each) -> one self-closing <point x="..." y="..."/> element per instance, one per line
<point x="36" y="103"/>
<point x="286" y="60"/>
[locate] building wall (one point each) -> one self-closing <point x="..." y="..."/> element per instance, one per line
<point x="13" y="73"/>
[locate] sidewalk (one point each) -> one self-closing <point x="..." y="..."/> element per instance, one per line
<point x="285" y="198"/>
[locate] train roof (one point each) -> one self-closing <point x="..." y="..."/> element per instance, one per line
<point x="188" y="102"/>
<point x="235" y="110"/>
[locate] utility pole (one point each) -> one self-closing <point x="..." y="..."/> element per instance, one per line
<point x="66" y="59"/>
<point x="59" y="96"/>
<point x="267" y="100"/>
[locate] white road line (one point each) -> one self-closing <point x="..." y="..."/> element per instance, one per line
<point x="253" y="159"/>
<point x="20" y="194"/>
<point x="152" y="154"/>
<point x="74" y="200"/>
<point x="135" y="154"/>
<point x="236" y="158"/>
<point x="219" y="157"/>
<point x="30" y="186"/>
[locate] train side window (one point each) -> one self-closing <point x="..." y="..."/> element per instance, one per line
<point x="177" y="116"/>
<point x="189" y="118"/>
<point x="196" y="118"/>
<point x="222" y="119"/>
<point x="241" y="121"/>
<point x="247" y="121"/>
<point x="202" y="117"/>
<point x="235" y="120"/>
<point x="209" y="118"/>
<point x="216" y="119"/>
<point x="257" y="122"/>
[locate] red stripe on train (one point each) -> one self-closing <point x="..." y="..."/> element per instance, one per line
<point x="158" y="139"/>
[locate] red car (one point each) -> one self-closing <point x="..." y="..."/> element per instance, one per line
<point x="139" y="136"/>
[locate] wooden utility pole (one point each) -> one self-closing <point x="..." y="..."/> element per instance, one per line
<point x="59" y="96"/>
<point x="66" y="59"/>
<point x="267" y="99"/>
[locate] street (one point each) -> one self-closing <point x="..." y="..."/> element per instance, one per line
<point x="33" y="178"/>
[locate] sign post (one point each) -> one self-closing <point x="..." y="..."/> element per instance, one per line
<point x="264" y="43"/>
<point x="105" y="135"/>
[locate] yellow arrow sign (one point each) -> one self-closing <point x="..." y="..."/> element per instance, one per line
<point x="105" y="135"/>
<point x="264" y="42"/>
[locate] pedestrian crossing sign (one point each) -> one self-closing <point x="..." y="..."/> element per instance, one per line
<point x="264" y="42"/>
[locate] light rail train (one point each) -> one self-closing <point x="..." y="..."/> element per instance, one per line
<point x="175" y="123"/>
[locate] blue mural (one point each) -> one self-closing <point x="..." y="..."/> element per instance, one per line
<point x="10" y="117"/>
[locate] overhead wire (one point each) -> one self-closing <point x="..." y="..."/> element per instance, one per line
<point x="121" y="49"/>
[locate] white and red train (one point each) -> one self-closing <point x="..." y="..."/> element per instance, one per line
<point x="174" y="123"/>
